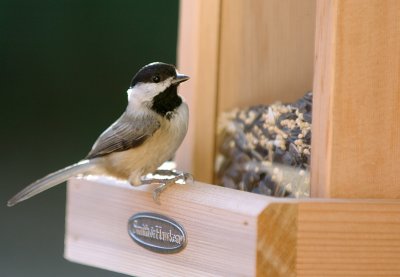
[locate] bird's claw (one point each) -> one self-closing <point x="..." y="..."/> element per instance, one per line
<point x="184" y="178"/>
<point x="157" y="193"/>
<point x="180" y="178"/>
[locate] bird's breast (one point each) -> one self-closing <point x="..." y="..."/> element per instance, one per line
<point x="156" y="150"/>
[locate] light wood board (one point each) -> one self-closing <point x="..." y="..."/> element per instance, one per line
<point x="356" y="116"/>
<point x="220" y="224"/>
<point x="266" y="52"/>
<point x="198" y="48"/>
<point x="233" y="233"/>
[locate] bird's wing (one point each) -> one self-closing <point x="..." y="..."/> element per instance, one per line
<point x="127" y="132"/>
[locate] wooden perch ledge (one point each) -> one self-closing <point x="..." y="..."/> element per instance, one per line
<point x="233" y="233"/>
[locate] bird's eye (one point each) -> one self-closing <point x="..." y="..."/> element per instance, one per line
<point x="156" y="78"/>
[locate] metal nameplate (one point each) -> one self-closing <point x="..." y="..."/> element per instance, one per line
<point x="157" y="233"/>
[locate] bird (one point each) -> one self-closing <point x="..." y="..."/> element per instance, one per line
<point x="145" y="136"/>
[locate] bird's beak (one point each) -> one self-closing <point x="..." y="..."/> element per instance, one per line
<point x="179" y="78"/>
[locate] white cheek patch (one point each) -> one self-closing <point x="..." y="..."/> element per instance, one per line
<point x="145" y="92"/>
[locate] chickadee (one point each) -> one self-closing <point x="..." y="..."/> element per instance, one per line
<point x="147" y="134"/>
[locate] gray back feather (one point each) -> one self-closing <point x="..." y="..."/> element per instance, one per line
<point x="126" y="133"/>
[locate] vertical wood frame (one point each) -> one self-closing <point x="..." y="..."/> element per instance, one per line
<point x="198" y="47"/>
<point x="356" y="118"/>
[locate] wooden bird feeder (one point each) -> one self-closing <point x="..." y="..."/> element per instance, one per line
<point x="242" y="53"/>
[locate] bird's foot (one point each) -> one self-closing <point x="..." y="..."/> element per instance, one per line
<point x="178" y="178"/>
<point x="163" y="178"/>
<point x="182" y="178"/>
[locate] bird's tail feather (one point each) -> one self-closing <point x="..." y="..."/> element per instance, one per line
<point x="50" y="181"/>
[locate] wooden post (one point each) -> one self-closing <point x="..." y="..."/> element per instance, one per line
<point x="356" y="110"/>
<point x="198" y="48"/>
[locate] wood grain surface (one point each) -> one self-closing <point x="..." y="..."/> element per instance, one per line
<point x="239" y="53"/>
<point x="266" y="52"/>
<point x="233" y="233"/>
<point x="360" y="238"/>
<point x="221" y="226"/>
<point x="356" y="116"/>
<point x="199" y="31"/>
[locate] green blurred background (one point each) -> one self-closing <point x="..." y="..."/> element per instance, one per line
<point x="64" y="69"/>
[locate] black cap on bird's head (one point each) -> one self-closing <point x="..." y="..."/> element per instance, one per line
<point x="155" y="86"/>
<point x="158" y="72"/>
